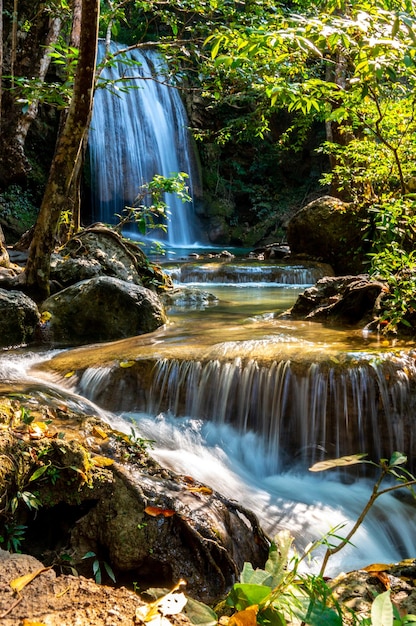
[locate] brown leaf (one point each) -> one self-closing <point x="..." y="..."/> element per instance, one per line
<point x="248" y="617"/>
<point x="154" y="511"/>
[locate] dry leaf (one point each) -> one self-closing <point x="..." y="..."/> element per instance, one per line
<point x="342" y="461"/>
<point x="101" y="461"/>
<point x="377" y="567"/>
<point x="18" y="584"/>
<point x="207" y="490"/>
<point x="170" y="604"/>
<point x="28" y="622"/>
<point x="127" y="363"/>
<point x="248" y="617"/>
<point x="97" y="431"/>
<point x="154" y="511"/>
<point x="37" y="430"/>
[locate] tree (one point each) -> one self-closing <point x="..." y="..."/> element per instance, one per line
<point x="67" y="154"/>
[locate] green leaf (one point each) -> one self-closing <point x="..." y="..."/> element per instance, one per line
<point x="88" y="555"/>
<point x="109" y="571"/>
<point x="255" y="576"/>
<point x="39" y="472"/>
<point x="397" y="458"/>
<point x="243" y="595"/>
<point x="279" y="556"/>
<point x="382" y="610"/>
<point x="200" y="614"/>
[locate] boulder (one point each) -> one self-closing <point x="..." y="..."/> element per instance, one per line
<point x="101" y="309"/>
<point x="339" y="300"/>
<point x="328" y="229"/>
<point x="19" y="318"/>
<point x="102" y="251"/>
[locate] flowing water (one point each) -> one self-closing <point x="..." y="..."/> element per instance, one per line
<point x="139" y="128"/>
<point x="245" y="401"/>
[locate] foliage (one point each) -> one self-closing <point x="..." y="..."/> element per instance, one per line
<point x="97" y="570"/>
<point x="279" y="594"/>
<point x="14" y="535"/>
<point x="150" y="209"/>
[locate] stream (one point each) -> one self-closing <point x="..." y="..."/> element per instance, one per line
<point x="246" y="463"/>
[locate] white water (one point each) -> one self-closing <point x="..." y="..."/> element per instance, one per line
<point x="136" y="134"/>
<point x="309" y="506"/>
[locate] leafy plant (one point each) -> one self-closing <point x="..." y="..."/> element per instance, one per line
<point x="96" y="568"/>
<point x="13" y="537"/>
<point x="150" y="209"/>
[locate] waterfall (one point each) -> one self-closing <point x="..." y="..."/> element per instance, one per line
<point x="302" y="412"/>
<point x="139" y="129"/>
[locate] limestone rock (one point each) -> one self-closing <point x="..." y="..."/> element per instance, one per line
<point x="102" y="309"/>
<point x="327" y="229"/>
<point x="19" y="318"/>
<point x="339" y="300"/>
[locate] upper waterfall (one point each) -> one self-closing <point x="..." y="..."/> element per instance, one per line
<point x="139" y="128"/>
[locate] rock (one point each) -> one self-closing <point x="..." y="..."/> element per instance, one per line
<point x="63" y="600"/>
<point x="328" y="229"/>
<point x="101" y="251"/>
<point x="188" y="297"/>
<point x="341" y="300"/>
<point x="102" y="309"/>
<point x="110" y="497"/>
<point x="19" y="318"/>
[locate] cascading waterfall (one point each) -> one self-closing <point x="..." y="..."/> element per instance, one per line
<point x="302" y="412"/>
<point x="139" y="128"/>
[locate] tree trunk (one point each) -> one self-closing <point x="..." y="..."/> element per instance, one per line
<point x="24" y="53"/>
<point x="68" y="150"/>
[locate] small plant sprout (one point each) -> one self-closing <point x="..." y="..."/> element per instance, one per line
<point x="96" y="568"/>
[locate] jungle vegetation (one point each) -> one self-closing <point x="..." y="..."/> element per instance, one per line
<point x="346" y="68"/>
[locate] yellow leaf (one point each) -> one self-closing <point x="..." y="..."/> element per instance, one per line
<point x="97" y="431"/>
<point x="206" y="490"/>
<point x="45" y="317"/>
<point x="342" y="461"/>
<point x="127" y="363"/>
<point x="102" y="461"/>
<point x="27" y="622"/>
<point x="37" y="430"/>
<point x="248" y="617"/>
<point x="377" y="567"/>
<point x="69" y="374"/>
<point x="18" y="584"/>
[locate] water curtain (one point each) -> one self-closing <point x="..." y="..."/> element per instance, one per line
<point x="139" y="128"/>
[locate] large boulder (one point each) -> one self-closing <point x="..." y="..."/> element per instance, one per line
<point x="328" y="230"/>
<point x="19" y="318"/>
<point x="339" y="300"/>
<point x="102" y="251"/>
<point x="101" y="309"/>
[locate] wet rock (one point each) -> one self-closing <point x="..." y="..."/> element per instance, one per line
<point x="328" y="229"/>
<point x="102" y="309"/>
<point x="188" y="297"/>
<point x="339" y="300"/>
<point x="19" y="318"/>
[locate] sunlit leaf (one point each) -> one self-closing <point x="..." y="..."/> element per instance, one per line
<point x="377" y="567"/>
<point x="18" y="584"/>
<point x="248" y="617"/>
<point x="343" y="461"/>
<point x="154" y="511"/>
<point x="382" y="610"/>
<point x="200" y="614"/>
<point x="243" y="595"/>
<point x="102" y="461"/>
<point x="69" y="374"/>
<point x="127" y="363"/>
<point x="39" y="472"/>
<point x="203" y="489"/>
<point x="397" y="458"/>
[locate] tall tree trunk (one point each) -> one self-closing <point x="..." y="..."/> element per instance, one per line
<point x="68" y="150"/>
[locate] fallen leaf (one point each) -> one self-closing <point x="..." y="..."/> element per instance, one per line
<point x="377" y="567"/>
<point x="342" y="461"/>
<point x="102" y="461"/>
<point x="127" y="363"/>
<point x="97" y="431"/>
<point x="18" y="584"/>
<point x="248" y="617"/>
<point x="154" y="511"/>
<point x="69" y="374"/>
<point x="207" y="490"/>
<point x="37" y="430"/>
<point x="27" y="622"/>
